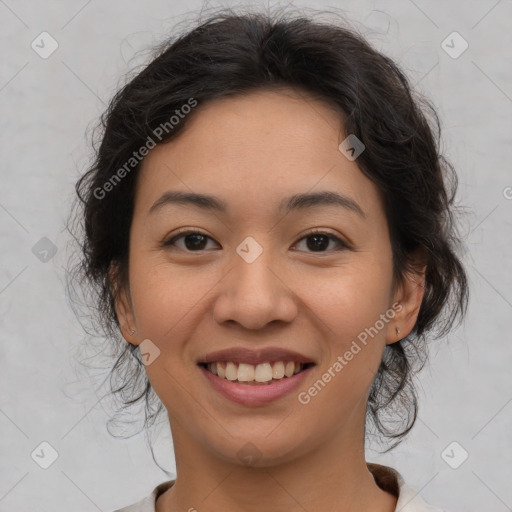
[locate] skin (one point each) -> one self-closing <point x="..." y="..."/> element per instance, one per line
<point x="252" y="151"/>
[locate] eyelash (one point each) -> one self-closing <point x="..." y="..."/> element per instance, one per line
<point x="342" y="245"/>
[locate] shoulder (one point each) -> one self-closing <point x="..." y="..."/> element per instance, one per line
<point x="409" y="499"/>
<point x="147" y="504"/>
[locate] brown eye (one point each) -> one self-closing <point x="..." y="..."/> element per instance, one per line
<point x="318" y="241"/>
<point x="193" y="241"/>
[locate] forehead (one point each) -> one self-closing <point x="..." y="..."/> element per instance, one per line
<point x="255" y="149"/>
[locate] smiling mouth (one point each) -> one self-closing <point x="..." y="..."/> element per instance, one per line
<point x="254" y="375"/>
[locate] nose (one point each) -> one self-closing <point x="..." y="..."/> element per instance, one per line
<point x="254" y="294"/>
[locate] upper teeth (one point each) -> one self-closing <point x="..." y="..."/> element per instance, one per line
<point x="263" y="372"/>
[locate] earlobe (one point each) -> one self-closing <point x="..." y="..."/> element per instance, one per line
<point x="125" y="317"/>
<point x="409" y="295"/>
<point x="123" y="311"/>
<point x="394" y="333"/>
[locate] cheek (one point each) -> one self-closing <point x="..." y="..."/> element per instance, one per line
<point x="352" y="349"/>
<point x="352" y="307"/>
<point x="167" y="303"/>
<point x="349" y="299"/>
<point x="164" y="295"/>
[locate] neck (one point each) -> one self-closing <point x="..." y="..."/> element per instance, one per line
<point x="335" y="474"/>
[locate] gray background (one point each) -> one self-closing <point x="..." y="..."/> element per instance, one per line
<point x="48" y="104"/>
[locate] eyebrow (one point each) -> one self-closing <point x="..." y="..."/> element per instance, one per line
<point x="292" y="203"/>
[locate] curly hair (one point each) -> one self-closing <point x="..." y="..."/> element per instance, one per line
<point x="232" y="54"/>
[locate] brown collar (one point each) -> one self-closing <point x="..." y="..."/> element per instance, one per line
<point x="385" y="477"/>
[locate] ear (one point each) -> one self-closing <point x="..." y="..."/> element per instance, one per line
<point x="123" y="306"/>
<point x="407" y="297"/>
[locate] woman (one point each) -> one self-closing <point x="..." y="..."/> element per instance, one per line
<point x="268" y="220"/>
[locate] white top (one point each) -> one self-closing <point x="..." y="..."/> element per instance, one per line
<point x="386" y="477"/>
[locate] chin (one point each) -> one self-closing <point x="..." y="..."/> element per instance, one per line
<point x="260" y="450"/>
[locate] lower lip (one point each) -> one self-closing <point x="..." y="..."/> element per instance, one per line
<point x="255" y="394"/>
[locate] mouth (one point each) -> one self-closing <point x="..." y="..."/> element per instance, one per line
<point x="251" y="377"/>
<point x="261" y="374"/>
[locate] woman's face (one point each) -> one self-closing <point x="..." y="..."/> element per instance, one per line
<point x="255" y="278"/>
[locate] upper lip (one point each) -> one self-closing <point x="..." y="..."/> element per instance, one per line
<point x="248" y="356"/>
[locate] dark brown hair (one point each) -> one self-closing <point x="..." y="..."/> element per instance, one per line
<point x="232" y="54"/>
